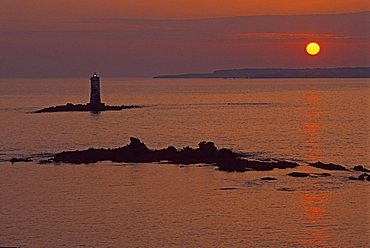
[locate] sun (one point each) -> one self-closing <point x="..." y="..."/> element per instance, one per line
<point x="313" y="48"/>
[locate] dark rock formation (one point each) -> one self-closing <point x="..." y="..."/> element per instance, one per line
<point x="304" y="174"/>
<point x="16" y="160"/>
<point x="360" y="168"/>
<point x="330" y="166"/>
<point x="70" y="107"/>
<point x="206" y="153"/>
<point x="243" y="165"/>
<point x="362" y="177"/>
<point x="299" y="174"/>
<point x="268" y="179"/>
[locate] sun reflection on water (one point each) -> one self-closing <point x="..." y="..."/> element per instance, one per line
<point x="312" y="126"/>
<point x="315" y="219"/>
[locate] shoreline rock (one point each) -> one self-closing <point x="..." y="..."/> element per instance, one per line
<point x="206" y="153"/>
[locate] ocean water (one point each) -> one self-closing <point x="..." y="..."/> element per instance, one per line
<point x="153" y="205"/>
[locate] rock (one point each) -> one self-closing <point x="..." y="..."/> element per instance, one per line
<point x="46" y="161"/>
<point x="353" y="178"/>
<point x="360" y="168"/>
<point x="285" y="189"/>
<point x="70" y="107"/>
<point x="299" y="174"/>
<point x="268" y="179"/>
<point x="17" y="160"/>
<point x="362" y="177"/>
<point x="227" y="188"/>
<point x="330" y="166"/>
<point x="239" y="164"/>
<point x="206" y="153"/>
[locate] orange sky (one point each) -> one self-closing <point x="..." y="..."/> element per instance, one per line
<point x="72" y="38"/>
<point x="173" y="8"/>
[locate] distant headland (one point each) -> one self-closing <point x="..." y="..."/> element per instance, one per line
<point x="343" y="72"/>
<point x="95" y="104"/>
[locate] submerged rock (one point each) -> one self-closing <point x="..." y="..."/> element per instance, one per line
<point x="330" y="166"/>
<point x="360" y="168"/>
<point x="206" y="153"/>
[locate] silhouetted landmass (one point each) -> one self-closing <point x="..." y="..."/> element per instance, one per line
<point x="345" y="72"/>
<point x="206" y="153"/>
<point x="70" y="107"/>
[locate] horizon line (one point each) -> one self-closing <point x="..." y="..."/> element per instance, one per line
<point x="185" y="73"/>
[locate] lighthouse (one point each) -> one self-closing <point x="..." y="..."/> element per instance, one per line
<point x="95" y="100"/>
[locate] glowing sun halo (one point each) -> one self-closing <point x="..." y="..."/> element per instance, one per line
<point x="313" y="48"/>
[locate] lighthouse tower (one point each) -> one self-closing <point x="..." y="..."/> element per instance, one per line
<point x="95" y="100"/>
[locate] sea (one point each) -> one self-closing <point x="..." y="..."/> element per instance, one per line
<point x="163" y="205"/>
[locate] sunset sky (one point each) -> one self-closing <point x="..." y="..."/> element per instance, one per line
<point x="143" y="38"/>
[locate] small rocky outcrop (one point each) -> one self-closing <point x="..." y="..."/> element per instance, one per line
<point x="268" y="179"/>
<point x="330" y="166"/>
<point x="228" y="188"/>
<point x="46" y="161"/>
<point x="299" y="174"/>
<point x="18" y="160"/>
<point x="360" y="168"/>
<point x="304" y="174"/>
<point x="206" y="153"/>
<point x="70" y="107"/>
<point x="362" y="177"/>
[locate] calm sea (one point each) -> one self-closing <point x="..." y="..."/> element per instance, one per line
<point x="124" y="205"/>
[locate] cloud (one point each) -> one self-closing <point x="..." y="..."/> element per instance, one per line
<point x="281" y="37"/>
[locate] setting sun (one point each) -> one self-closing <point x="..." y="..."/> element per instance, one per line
<point x="313" y="48"/>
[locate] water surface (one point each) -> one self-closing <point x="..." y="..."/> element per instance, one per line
<point x="115" y="205"/>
